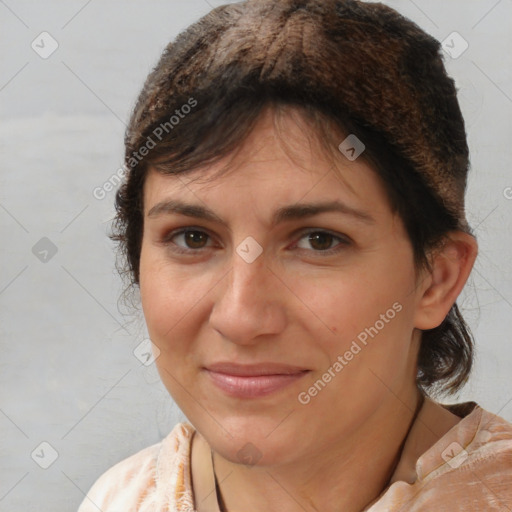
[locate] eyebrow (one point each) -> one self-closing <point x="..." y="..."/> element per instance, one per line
<point x="293" y="212"/>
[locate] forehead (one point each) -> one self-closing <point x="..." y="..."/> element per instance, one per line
<point x="276" y="163"/>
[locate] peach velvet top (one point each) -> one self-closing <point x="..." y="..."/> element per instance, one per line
<point x="469" y="468"/>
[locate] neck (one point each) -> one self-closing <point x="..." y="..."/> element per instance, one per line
<point x="330" y="479"/>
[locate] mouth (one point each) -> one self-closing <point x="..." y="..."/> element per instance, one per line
<point x="253" y="381"/>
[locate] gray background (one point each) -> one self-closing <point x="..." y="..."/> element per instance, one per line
<point x="68" y="375"/>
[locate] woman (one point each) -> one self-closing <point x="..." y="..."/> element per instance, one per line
<point x="293" y="215"/>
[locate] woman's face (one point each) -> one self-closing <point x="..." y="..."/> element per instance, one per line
<point x="302" y="272"/>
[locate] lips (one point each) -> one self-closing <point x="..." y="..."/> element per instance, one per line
<point x="255" y="380"/>
<point x="254" y="370"/>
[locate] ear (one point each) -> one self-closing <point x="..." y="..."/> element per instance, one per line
<point x="439" y="289"/>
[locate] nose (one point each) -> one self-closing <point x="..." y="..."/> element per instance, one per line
<point x="248" y="304"/>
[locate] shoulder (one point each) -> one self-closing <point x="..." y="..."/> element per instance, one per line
<point x="474" y="468"/>
<point x="468" y="469"/>
<point x="141" y="481"/>
<point x="481" y="441"/>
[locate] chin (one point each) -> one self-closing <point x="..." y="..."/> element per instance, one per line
<point x="252" y="441"/>
<point x="257" y="453"/>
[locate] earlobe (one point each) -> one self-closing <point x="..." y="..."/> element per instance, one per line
<point x="451" y="266"/>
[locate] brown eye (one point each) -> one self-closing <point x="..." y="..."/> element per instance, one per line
<point x="322" y="242"/>
<point x="188" y="241"/>
<point x="195" y="239"/>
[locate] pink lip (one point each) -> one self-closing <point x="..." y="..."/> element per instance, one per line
<point x="251" y="381"/>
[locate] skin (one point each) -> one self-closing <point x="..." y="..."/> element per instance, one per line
<point x="297" y="306"/>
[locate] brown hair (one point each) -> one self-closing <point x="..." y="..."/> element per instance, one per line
<point x="360" y="67"/>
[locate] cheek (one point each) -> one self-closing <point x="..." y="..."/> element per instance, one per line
<point x="165" y="302"/>
<point x="344" y="305"/>
<point x="163" y="299"/>
<point x="173" y="301"/>
<point x="367" y="358"/>
<point x="367" y="320"/>
<point x="170" y="303"/>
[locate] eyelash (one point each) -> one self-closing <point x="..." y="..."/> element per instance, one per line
<point x="343" y="241"/>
